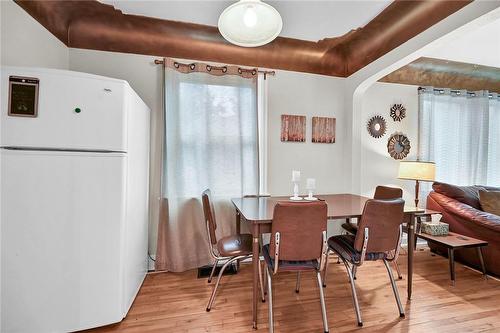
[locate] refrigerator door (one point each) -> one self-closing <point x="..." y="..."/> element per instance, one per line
<point x="62" y="222"/>
<point x="75" y="111"/>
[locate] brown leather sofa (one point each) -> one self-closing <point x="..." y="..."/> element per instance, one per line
<point x="461" y="209"/>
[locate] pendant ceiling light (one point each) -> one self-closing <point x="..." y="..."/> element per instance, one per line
<point x="250" y="23"/>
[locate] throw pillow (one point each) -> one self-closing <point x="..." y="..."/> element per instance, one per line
<point x="490" y="202"/>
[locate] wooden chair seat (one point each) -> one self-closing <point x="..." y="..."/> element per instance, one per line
<point x="350" y="228"/>
<point x="235" y="245"/>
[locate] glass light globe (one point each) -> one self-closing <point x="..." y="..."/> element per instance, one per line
<point x="250" y="17"/>
<point x="250" y="23"/>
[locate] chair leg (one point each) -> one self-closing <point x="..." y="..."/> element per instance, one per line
<point x="325" y="273"/>
<point x="322" y="300"/>
<point x="213" y="271"/>
<point x="261" y="283"/>
<point x="266" y="273"/>
<point x="297" y="283"/>
<point x="394" y="289"/>
<point x="214" y="292"/>
<point x="354" y="294"/>
<point x="270" y="302"/>
<point x="354" y="270"/>
<point x="397" y="269"/>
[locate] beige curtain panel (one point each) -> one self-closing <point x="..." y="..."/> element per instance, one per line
<point x="210" y="141"/>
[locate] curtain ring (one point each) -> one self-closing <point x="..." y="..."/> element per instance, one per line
<point x="254" y="71"/>
<point x="209" y="68"/>
<point x="224" y="69"/>
<point x="192" y="66"/>
<point x="240" y="71"/>
<point x="176" y="64"/>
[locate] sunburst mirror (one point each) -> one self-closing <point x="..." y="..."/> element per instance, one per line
<point x="398" y="112"/>
<point x="376" y="126"/>
<point x="398" y="146"/>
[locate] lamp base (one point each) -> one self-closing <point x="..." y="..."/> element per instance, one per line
<point x="417" y="189"/>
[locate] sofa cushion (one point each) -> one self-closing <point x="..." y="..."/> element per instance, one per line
<point x="469" y="195"/>
<point x="490" y="201"/>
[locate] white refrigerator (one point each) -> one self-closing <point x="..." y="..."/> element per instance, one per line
<point x="74" y="200"/>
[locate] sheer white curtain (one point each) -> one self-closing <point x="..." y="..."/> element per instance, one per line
<point x="460" y="133"/>
<point x="211" y="141"/>
<point x="493" y="177"/>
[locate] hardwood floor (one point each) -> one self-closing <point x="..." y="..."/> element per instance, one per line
<point x="171" y="302"/>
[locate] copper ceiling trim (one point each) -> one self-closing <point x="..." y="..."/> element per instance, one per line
<point x="446" y="74"/>
<point x="93" y="25"/>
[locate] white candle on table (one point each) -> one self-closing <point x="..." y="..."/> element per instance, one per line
<point x="311" y="183"/>
<point x="295" y="176"/>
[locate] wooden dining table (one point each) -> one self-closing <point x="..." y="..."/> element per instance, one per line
<point x="258" y="213"/>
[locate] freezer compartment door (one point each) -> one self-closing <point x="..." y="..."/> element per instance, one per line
<point x="62" y="240"/>
<point x="75" y="111"/>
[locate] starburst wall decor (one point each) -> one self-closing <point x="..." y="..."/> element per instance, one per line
<point x="377" y="126"/>
<point x="398" y="112"/>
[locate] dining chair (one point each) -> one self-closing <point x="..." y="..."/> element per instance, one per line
<point x="381" y="193"/>
<point x="298" y="244"/>
<point x="229" y="248"/>
<point x="378" y="238"/>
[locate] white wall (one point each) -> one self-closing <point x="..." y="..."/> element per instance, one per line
<point x="289" y="93"/>
<point x="25" y="42"/>
<point x="479" y="46"/>
<point x="346" y="166"/>
<point x="377" y="166"/>
<point x="145" y="78"/>
<point x="469" y="18"/>
<point x="309" y="95"/>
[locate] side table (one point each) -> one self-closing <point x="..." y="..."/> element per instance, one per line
<point x="454" y="241"/>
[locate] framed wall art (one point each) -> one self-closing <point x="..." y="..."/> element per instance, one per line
<point x="293" y="128"/>
<point x="323" y="130"/>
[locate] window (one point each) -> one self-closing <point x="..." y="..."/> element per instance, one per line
<point x="212" y="137"/>
<point x="460" y="131"/>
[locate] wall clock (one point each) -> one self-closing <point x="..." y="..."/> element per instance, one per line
<point x="398" y="112"/>
<point x="377" y="126"/>
<point x="398" y="146"/>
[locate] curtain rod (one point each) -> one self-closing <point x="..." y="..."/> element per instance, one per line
<point x="273" y="73"/>
<point x="455" y="91"/>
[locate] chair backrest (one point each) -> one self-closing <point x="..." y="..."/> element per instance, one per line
<point x="383" y="219"/>
<point x="386" y="192"/>
<point x="209" y="212"/>
<point x="301" y="226"/>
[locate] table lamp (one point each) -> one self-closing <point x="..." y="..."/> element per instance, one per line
<point x="418" y="171"/>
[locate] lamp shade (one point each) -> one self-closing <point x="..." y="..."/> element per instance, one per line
<point x="250" y="23"/>
<point x="417" y="170"/>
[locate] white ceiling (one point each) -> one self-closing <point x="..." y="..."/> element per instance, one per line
<point x="310" y="20"/>
<point x="480" y="46"/>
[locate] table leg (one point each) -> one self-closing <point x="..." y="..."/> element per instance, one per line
<point x="483" y="266"/>
<point x="238" y="231"/>
<point x="451" y="258"/>
<point x="255" y="263"/>
<point x="411" y="249"/>
<point x="417" y="230"/>
<point x="238" y="223"/>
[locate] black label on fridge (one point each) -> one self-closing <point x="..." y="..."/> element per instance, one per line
<point x="23" y="96"/>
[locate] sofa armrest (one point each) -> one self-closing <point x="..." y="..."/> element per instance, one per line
<point x="464" y="211"/>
